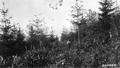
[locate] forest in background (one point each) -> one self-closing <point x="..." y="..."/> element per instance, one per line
<point x="94" y="41"/>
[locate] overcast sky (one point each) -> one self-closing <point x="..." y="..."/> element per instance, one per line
<point x="24" y="10"/>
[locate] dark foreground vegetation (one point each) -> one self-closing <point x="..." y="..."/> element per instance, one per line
<point x="95" y="41"/>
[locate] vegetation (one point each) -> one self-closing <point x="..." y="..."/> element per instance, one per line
<point x="93" y="43"/>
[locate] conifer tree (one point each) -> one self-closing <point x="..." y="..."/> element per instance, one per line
<point x="9" y="34"/>
<point x="5" y="24"/>
<point x="106" y="14"/>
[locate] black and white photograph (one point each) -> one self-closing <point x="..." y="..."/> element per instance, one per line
<point x="59" y="33"/>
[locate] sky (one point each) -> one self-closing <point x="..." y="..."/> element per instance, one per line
<point x="23" y="11"/>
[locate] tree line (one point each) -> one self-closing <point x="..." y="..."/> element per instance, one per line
<point x="94" y="41"/>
